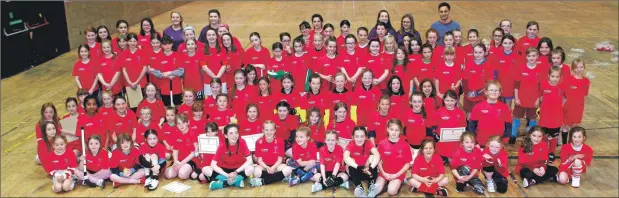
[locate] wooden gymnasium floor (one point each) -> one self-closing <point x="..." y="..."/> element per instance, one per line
<point x="569" y="24"/>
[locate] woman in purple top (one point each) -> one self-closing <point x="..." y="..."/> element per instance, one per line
<point x="407" y="26"/>
<point x="175" y="31"/>
<point x="383" y="16"/>
<point x="214" y="18"/>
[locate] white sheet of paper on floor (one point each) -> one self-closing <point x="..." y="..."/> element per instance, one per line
<point x="176" y="187"/>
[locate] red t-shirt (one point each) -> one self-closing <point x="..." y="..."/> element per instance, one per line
<point x="231" y="156"/>
<point x="54" y="162"/>
<point x="193" y="71"/>
<point x="269" y="151"/>
<point x="182" y="48"/>
<point x="415" y="126"/>
<point x="568" y="150"/>
<point x="360" y="153"/>
<point x="477" y="75"/>
<point x="141" y="129"/>
<point x="159" y="150"/>
<point x="432" y="168"/>
<point x="242" y="98"/>
<point x="283" y="127"/>
<point x="134" y="63"/>
<point x="235" y="60"/>
<point x="463" y="158"/>
<point x="334" y="97"/>
<point x="250" y="128"/>
<point x="293" y="98"/>
<point x="314" y="55"/>
<point x="551" y="107"/>
<point x="197" y="125"/>
<point x="144" y="42"/>
<point x="328" y="67"/>
<point x="351" y="63"/>
<point x="317" y="132"/>
<point x="210" y="104"/>
<point x="157" y="109"/>
<point x="279" y="65"/>
<point x="119" y="125"/>
<point x="431" y="104"/>
<point x="378" y="123"/>
<point x="444" y="118"/>
<point x="319" y="101"/>
<point x="502" y="156"/>
<point x="492" y="119"/>
<point x="394" y="155"/>
<point x="377" y="65"/>
<point x="252" y="56"/>
<point x="525" y="43"/>
<point x="153" y="57"/>
<point x="506" y="64"/>
<point x="167" y="133"/>
<point x="95" y="50"/>
<point x="266" y="106"/>
<point x="535" y="159"/>
<point x="185" y="109"/>
<point x="213" y="62"/>
<point x="576" y="91"/>
<point x="305" y="154"/>
<point x="344" y="128"/>
<point x="298" y="69"/>
<point x="87" y="73"/>
<point x="183" y="143"/>
<point x="529" y="80"/>
<point x="366" y="101"/>
<point x="423" y="71"/>
<point x="169" y="63"/>
<point x="98" y="162"/>
<point x="94" y="125"/>
<point x="108" y="67"/>
<point x="121" y="161"/>
<point x="447" y="75"/>
<point x="221" y="118"/>
<point x="399" y="103"/>
<point x="329" y="159"/>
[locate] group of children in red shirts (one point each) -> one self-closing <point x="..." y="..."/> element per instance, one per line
<point x="404" y="96"/>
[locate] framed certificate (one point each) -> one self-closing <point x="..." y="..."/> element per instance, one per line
<point x="251" y="141"/>
<point x="134" y="96"/>
<point x="451" y="134"/>
<point x="208" y="144"/>
<point x="343" y="142"/>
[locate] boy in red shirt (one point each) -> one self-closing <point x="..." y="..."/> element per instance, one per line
<point x="526" y="93"/>
<point x="491" y="116"/>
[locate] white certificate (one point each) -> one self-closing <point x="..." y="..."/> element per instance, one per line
<point x="208" y="144"/>
<point x="343" y="142"/>
<point x="251" y="141"/>
<point x="451" y="134"/>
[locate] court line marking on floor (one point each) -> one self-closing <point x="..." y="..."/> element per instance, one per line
<point x="19" y="143"/>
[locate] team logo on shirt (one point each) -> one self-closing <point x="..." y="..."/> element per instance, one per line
<point x="81" y="69"/>
<point x="326" y="65"/>
<point x="411" y="120"/>
<point x="217" y="118"/>
<point x="194" y="127"/>
<point x="547" y="91"/>
<point x="387" y="152"/>
<point x="346" y="61"/>
<point x="502" y="61"/>
<point x="525" y="74"/>
<point x="423" y="169"/>
<point x="254" y="58"/>
<point x="411" y="59"/>
<point x="128" y="59"/>
<point x="55" y="161"/>
<point x="484" y="111"/>
<point x="424" y="69"/>
<point x="164" y="62"/>
<point x="370" y="61"/>
<point x="312" y="102"/>
<point x="538" y="62"/>
<point x="119" y="124"/>
<point x="377" y="123"/>
<point x="445" y="117"/>
<point x="473" y="71"/>
<point x="103" y="64"/>
<point x="123" y="160"/>
<point x="328" y="159"/>
<point x="463" y="159"/>
<point x="574" y="87"/>
<point x="247" y="129"/>
<point x="89" y="124"/>
<point x="187" y="62"/>
<point x="362" y="97"/>
<point x="166" y="132"/>
<point x="446" y="72"/>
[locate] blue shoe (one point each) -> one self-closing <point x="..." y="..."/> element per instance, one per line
<point x="294" y="181"/>
<point x="238" y="181"/>
<point x="216" y="185"/>
<point x="255" y="182"/>
<point x="221" y="178"/>
<point x="307" y="176"/>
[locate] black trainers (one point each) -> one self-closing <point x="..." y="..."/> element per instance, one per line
<point x="512" y="140"/>
<point x="551" y="158"/>
<point x="441" y="191"/>
<point x="413" y="189"/>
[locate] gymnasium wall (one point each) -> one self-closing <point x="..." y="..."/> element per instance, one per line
<point x="94" y="13"/>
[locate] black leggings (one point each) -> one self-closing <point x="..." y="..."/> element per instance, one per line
<point x="499" y="180"/>
<point x="357" y="176"/>
<point x="528" y="174"/>
<point x="228" y="170"/>
<point x="337" y="181"/>
<point x="271" y="178"/>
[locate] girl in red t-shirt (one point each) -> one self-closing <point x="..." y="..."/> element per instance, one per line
<point x="304" y="159"/>
<point x="341" y="122"/>
<point x="423" y="69"/>
<point x="361" y="158"/>
<point x="270" y="153"/>
<point x="314" y="97"/>
<point x="428" y="172"/>
<point x="277" y="63"/>
<point x="495" y="165"/>
<point x="431" y="102"/>
<point x="365" y="97"/>
<point x="533" y="159"/>
<point x="76" y="144"/>
<point x="449" y="116"/>
<point x="257" y="55"/>
<point x="466" y="163"/>
<point x="377" y="128"/>
<point x="169" y="71"/>
<point x="210" y="102"/>
<point x="415" y="122"/>
<point x="184" y="140"/>
<point x="506" y="62"/>
<point x="107" y="98"/>
<point x="530" y="40"/>
<point x="60" y="164"/>
<point x="447" y="74"/>
<point x="287" y="92"/>
<point x="490" y="117"/>
<point x="395" y="91"/>
<point x="44" y="140"/>
<point x="314" y="121"/>
<point x="222" y="115"/>
<point x="85" y="70"/>
<point x="339" y="93"/>
<point x="189" y="98"/>
<point x="252" y="123"/>
<point x="332" y="172"/>
<point x="212" y="64"/>
<point x="204" y="171"/>
<point x="265" y="99"/>
<point x="351" y="65"/>
<point x="109" y="69"/>
<point x="232" y="60"/>
<point x="122" y="120"/>
<point x="97" y="163"/>
<point x="125" y="163"/>
<point x="575" y="157"/>
<point x="232" y="162"/>
<point x="152" y="158"/>
<point x="396" y="158"/>
<point x="144" y="124"/>
<point x="168" y="128"/>
<point x="552" y="97"/>
<point x="250" y="72"/>
<point x="155" y="105"/>
<point x="577" y="89"/>
<point x="191" y="62"/>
